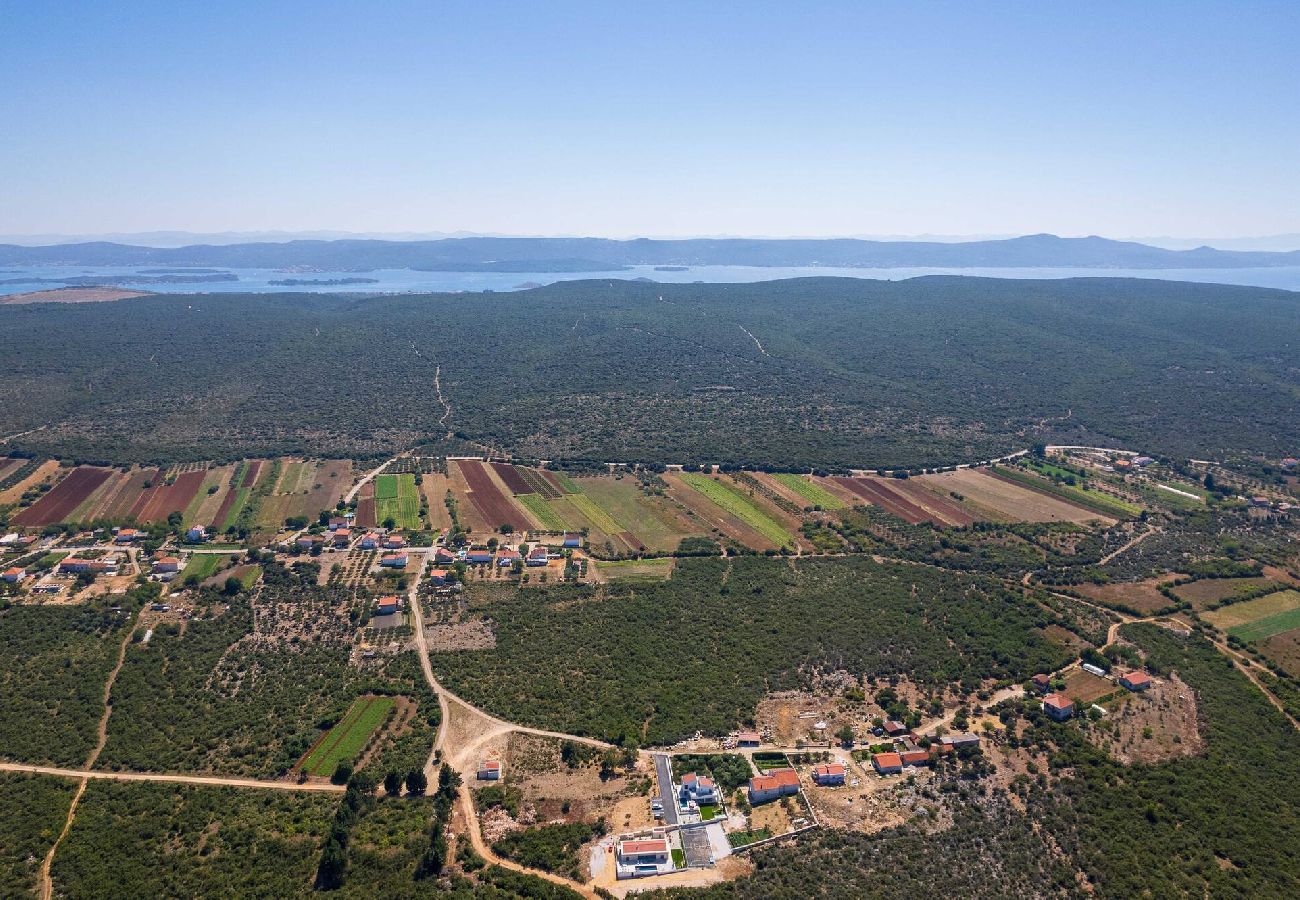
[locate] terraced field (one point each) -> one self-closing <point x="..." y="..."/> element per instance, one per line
<point x="1251" y="613"/>
<point x="737" y="504"/>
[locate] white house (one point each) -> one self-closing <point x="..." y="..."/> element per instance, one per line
<point x="699" y="788"/>
<point x="639" y="856"/>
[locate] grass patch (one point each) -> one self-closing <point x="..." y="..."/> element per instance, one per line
<point x="347" y="738"/>
<point x="637" y="569"/>
<point x="541" y="509"/>
<point x="1267" y="627"/>
<point x="742" y="838"/>
<point x="679" y="858"/>
<point x="203" y="566"/>
<point x="811" y="491"/>
<point x="740" y="506"/>
<point x="595" y="514"/>
<point x="708" y="811"/>
<point x="768" y="760"/>
<point x="1236" y="615"/>
<point x="397" y="497"/>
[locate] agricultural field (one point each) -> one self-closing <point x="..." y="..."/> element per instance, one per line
<point x="910" y="501"/>
<point x="1098" y="501"/>
<point x="809" y="490"/>
<point x="63" y="499"/>
<point x="994" y="499"/>
<point x="1209" y="592"/>
<point x="160" y="501"/>
<point x="348" y="737"/>
<point x="1257" y="619"/>
<point x="653" y="569"/>
<point x="25" y="477"/>
<point x="397" y="497"/>
<point x="640" y="520"/>
<point x="735" y="508"/>
<point x="1284" y="650"/>
<point x="1142" y="597"/>
<point x="435" y="487"/>
<point x="304" y="488"/>
<point x="483" y="504"/>
<point x="203" y="566"/>
<point x="1085" y="688"/>
<point x="541" y="510"/>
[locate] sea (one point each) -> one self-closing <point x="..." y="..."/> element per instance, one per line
<point x="398" y="281"/>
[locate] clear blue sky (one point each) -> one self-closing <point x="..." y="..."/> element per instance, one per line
<point x="1179" y="118"/>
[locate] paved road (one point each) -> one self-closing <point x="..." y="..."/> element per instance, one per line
<point x="664" y="768"/>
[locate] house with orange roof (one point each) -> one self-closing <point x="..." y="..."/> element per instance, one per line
<point x="1058" y="706"/>
<point x="887" y="763"/>
<point x="829" y="774"/>
<point x="775" y="784"/>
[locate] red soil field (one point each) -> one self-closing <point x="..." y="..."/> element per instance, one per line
<point x="870" y="490"/>
<point x="64" y="497"/>
<point x="513" y="480"/>
<point x="494" y="506"/>
<point x="554" y="479"/>
<point x="252" y="472"/>
<point x="945" y="508"/>
<point x="366" y="506"/>
<point x="162" y="500"/>
<point x="232" y="494"/>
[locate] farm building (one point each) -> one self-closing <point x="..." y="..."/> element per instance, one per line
<point x="125" y="535"/>
<point x="639" y="856"/>
<point x="386" y="606"/>
<point x="915" y="757"/>
<point x="894" y="729"/>
<point x="489" y="770"/>
<point x="1290" y="463"/>
<point x="1093" y="670"/>
<point x="9" y="539"/>
<point x="961" y="740"/>
<point x="13" y="575"/>
<point x="537" y="556"/>
<point x="698" y="788"/>
<point x="197" y="534"/>
<point x="394" y="542"/>
<point x="167" y="564"/>
<point x="775" y="784"/>
<point x="1142" y="461"/>
<point x="828" y="774"/>
<point x="73" y="565"/>
<point x="393" y="560"/>
<point x="370" y="541"/>
<point x="1042" y="683"/>
<point x="571" y="541"/>
<point x="507" y="557"/>
<point x="1135" y="681"/>
<point x="1058" y="706"/>
<point x="1260" y="502"/>
<point x="887" y="763"/>
<point x="748" y="739"/>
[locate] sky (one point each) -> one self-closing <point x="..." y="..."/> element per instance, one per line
<point x="650" y="119"/>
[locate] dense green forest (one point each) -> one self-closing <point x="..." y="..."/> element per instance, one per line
<point x="55" y="662"/>
<point x="650" y="663"/>
<point x="849" y="372"/>
<point x="32" y="810"/>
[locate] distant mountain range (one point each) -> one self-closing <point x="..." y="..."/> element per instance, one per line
<point x="524" y="254"/>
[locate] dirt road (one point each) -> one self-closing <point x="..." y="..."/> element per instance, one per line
<point x="165" y="778"/>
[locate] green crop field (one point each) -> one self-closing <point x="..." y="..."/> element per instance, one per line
<point x="203" y="565"/>
<point x="647" y="518"/>
<point x="541" y="508"/>
<point x="811" y="491"/>
<point x="349" y="736"/>
<point x="595" y="514"/>
<point x="1247" y="613"/>
<point x="740" y="506"/>
<point x="1267" y="627"/>
<point x="397" y="497"/>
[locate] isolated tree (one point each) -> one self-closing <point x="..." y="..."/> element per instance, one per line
<point x="342" y="772"/>
<point x="845" y="734"/>
<point x="416" y="782"/>
<point x="392" y="784"/>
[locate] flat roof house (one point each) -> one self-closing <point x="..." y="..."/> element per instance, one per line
<point x="638" y="857"/>
<point x="887" y="763"/>
<point x="828" y="774"/>
<point x="1135" y="681"/>
<point x="961" y="740"/>
<point x="1058" y="706"/>
<point x="775" y="784"/>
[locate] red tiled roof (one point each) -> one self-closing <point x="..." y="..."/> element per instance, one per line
<point x="914" y="757"/>
<point x="1058" y="701"/>
<point x="829" y="769"/>
<point x="1137" y="678"/>
<point x="888" y="760"/>
<point x="774" y="779"/>
<point x="748" y="736"/>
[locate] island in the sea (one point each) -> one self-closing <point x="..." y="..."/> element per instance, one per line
<point x="672" y="268"/>
<point x="302" y="282"/>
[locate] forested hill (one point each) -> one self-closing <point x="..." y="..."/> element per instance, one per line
<point x="809" y="372"/>
<point x="597" y="254"/>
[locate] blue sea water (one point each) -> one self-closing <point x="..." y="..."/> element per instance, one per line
<point x="409" y="281"/>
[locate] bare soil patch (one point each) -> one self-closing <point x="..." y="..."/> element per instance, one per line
<point x="474" y="634"/>
<point x="1143" y="596"/>
<point x="1284" y="649"/>
<point x="1085" y="689"/>
<point x="1011" y="501"/>
<point x="1151" y="727"/>
<point x="1209" y="591"/>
